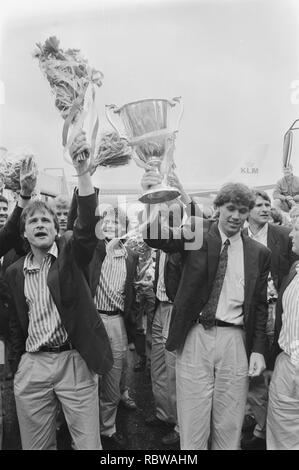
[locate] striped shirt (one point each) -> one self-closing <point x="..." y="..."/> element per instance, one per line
<point x="110" y="292"/>
<point x="289" y="335"/>
<point x="161" y="289"/>
<point x="45" y="327"/>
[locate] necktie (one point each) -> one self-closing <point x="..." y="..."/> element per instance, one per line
<point x="207" y="317"/>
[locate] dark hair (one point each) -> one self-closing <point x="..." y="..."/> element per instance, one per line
<point x="3" y="199"/>
<point x="237" y="193"/>
<point x="37" y="205"/>
<point x="260" y="193"/>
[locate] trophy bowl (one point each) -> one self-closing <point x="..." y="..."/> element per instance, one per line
<point x="147" y="129"/>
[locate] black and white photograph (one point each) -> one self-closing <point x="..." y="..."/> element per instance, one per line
<point x="149" y="227"/>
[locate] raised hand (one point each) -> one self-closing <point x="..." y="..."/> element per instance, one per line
<point x="150" y="178"/>
<point x="28" y="176"/>
<point x="173" y="180"/>
<point x="80" y="151"/>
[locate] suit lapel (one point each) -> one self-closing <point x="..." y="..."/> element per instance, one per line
<point x="20" y="299"/>
<point x="287" y="280"/>
<point x="273" y="245"/>
<point x="96" y="265"/>
<point x="54" y="285"/>
<point x="250" y="268"/>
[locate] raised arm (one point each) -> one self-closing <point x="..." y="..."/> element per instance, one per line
<point x="158" y="234"/>
<point x="277" y="194"/>
<point x="10" y="234"/>
<point x="84" y="236"/>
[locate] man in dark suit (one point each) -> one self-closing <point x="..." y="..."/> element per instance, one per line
<point x="219" y="319"/>
<point x="9" y="239"/>
<point x="58" y="342"/>
<point x="277" y="239"/>
<point x="283" y="407"/>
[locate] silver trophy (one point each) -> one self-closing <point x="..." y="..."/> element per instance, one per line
<point x="148" y="130"/>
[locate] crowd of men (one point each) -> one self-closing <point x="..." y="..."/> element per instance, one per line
<point x="215" y="319"/>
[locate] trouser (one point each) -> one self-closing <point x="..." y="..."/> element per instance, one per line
<point x="257" y="399"/>
<point x="212" y="385"/>
<point x="147" y="305"/>
<point x="111" y="381"/>
<point x="41" y="382"/>
<point x="163" y="366"/>
<point x="258" y="403"/>
<point x="123" y="385"/>
<point x="283" y="408"/>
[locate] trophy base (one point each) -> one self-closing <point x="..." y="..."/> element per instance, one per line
<point x="159" y="194"/>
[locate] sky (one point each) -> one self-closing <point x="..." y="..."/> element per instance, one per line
<point x="234" y="62"/>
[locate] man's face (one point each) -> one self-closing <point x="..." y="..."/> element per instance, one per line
<point x="62" y="215"/>
<point x="260" y="214"/>
<point x="232" y="217"/>
<point x="288" y="170"/>
<point x="40" y="230"/>
<point x="111" y="227"/>
<point x="3" y="213"/>
<point x="294" y="235"/>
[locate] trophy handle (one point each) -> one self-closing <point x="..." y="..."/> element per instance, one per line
<point x="115" y="109"/>
<point x="174" y="102"/>
<point x="287" y="148"/>
<point x="288" y="144"/>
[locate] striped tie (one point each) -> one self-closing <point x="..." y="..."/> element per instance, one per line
<point x="207" y="317"/>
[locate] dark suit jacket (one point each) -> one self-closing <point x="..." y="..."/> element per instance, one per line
<point x="172" y="273"/>
<point x="130" y="295"/>
<point x="199" y="270"/>
<point x="275" y="350"/>
<point x="70" y="291"/>
<point x="9" y="239"/>
<point x="282" y="255"/>
<point x="10" y="233"/>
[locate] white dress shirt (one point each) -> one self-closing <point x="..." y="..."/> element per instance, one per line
<point x="261" y="236"/>
<point x="231" y="300"/>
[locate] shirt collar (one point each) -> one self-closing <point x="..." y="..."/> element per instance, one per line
<point x="30" y="266"/>
<point x="262" y="232"/>
<point x="232" y="239"/>
<point x="117" y="251"/>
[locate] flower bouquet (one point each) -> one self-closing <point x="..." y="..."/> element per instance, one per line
<point x="113" y="151"/>
<point x="69" y="76"/>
